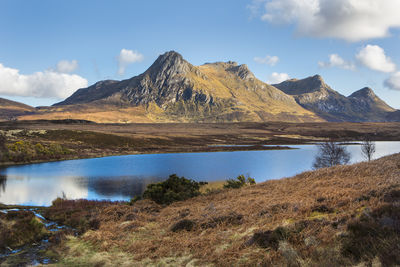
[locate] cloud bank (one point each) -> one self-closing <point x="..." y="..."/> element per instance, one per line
<point x="65" y="66"/>
<point x="268" y="60"/>
<point x="336" y="61"/>
<point x="46" y="84"/>
<point x="276" y="77"/>
<point x="374" y="57"/>
<point x="127" y="57"/>
<point x="351" y="20"/>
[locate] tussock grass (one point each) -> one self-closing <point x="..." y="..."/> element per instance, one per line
<point x="312" y="219"/>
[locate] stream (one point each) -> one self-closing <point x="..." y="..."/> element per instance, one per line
<point x="32" y="254"/>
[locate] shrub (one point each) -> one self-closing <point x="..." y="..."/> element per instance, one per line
<point x="239" y="182"/>
<point x="173" y="189"/>
<point x="22" y="151"/>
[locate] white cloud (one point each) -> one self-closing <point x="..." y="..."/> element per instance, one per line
<point x="393" y="82"/>
<point x="336" y="61"/>
<point x="269" y="60"/>
<point x="65" y="66"/>
<point x="275" y="78"/>
<point x="127" y="57"/>
<point x="47" y="84"/>
<point x="374" y="57"/>
<point x="351" y="20"/>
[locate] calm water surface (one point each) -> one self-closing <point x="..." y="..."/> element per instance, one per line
<point x="121" y="177"/>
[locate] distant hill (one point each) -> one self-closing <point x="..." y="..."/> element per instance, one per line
<point x="315" y="95"/>
<point x="10" y="110"/>
<point x="173" y="90"/>
<point x="393" y="116"/>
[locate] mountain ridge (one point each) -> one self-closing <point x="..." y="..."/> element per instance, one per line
<point x="174" y="90"/>
<point x="315" y="95"/>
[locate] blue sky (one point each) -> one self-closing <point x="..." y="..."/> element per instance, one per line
<point x="50" y="48"/>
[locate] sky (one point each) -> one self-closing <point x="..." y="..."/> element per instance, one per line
<point x="49" y="49"/>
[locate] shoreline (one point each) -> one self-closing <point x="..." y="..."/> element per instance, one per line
<point x="223" y="149"/>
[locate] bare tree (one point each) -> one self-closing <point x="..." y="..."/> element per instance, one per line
<point x="368" y="148"/>
<point x="331" y="154"/>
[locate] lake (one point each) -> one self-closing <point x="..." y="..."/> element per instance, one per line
<point x="121" y="177"/>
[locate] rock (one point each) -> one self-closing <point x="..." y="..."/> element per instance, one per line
<point x="242" y="72"/>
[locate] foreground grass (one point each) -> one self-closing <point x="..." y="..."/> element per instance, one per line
<point x="339" y="216"/>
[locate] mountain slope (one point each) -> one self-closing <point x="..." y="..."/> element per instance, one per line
<point x="11" y="109"/>
<point x="315" y="95"/>
<point x="172" y="89"/>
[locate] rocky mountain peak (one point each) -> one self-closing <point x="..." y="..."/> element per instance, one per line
<point x="365" y="92"/>
<point x="308" y="85"/>
<point x="317" y="77"/>
<point x="233" y="63"/>
<point x="169" y="64"/>
<point x="242" y="71"/>
<point x="315" y="81"/>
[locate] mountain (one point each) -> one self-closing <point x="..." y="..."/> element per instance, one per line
<point x="10" y="110"/>
<point x="315" y="95"/>
<point x="172" y="89"/>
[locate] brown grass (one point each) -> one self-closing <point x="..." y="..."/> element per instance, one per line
<point x="307" y="215"/>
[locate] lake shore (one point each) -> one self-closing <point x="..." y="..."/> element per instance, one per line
<point x="90" y="140"/>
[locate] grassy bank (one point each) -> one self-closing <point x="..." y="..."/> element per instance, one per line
<point x="344" y="215"/>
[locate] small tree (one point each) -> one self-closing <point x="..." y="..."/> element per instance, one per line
<point x="368" y="149"/>
<point x="331" y="154"/>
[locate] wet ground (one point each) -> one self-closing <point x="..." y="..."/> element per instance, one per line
<point x="38" y="252"/>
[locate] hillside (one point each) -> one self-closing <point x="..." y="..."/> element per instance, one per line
<point x="11" y="109"/>
<point x="339" y="216"/>
<point x="173" y="90"/>
<point x="315" y="95"/>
